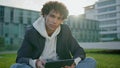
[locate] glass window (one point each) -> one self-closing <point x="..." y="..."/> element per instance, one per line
<point x="107" y="9"/>
<point x="109" y="29"/>
<point x="1" y="13"/>
<point x="108" y="2"/>
<point x="111" y="15"/>
<point x="11" y="14"/>
<point x="109" y="35"/>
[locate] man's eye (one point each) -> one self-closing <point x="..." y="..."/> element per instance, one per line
<point x="60" y="18"/>
<point x="52" y="15"/>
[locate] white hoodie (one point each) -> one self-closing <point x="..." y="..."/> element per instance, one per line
<point x="49" y="51"/>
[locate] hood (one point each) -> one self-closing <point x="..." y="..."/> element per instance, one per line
<point x="39" y="25"/>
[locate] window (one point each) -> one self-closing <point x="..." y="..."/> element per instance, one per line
<point x="109" y="29"/>
<point x="1" y="13"/>
<point x="11" y="14"/>
<point x="6" y="34"/>
<point x="21" y="19"/>
<point x="108" y="22"/>
<point x="109" y="35"/>
<point x="107" y="9"/>
<point x="108" y="2"/>
<point x="111" y="15"/>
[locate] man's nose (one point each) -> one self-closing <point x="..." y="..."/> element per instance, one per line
<point x="55" y="20"/>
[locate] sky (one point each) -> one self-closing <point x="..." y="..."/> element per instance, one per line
<point x="75" y="7"/>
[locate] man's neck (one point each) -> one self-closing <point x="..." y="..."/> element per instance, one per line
<point x="49" y="32"/>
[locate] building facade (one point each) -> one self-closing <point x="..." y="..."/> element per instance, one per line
<point x="13" y="23"/>
<point x="84" y="30"/>
<point x="108" y="13"/>
<point x="90" y="12"/>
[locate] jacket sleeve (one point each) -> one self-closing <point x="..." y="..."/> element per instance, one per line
<point x="75" y="49"/>
<point x="24" y="53"/>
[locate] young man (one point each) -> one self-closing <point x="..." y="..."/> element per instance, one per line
<point x="50" y="39"/>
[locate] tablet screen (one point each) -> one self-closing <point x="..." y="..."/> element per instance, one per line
<point x="59" y="63"/>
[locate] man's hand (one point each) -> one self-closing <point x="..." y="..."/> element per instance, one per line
<point x="40" y="63"/>
<point x="72" y="66"/>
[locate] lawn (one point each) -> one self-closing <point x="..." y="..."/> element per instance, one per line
<point x="104" y="59"/>
<point x="6" y="60"/>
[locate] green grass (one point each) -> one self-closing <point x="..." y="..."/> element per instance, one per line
<point x="6" y="60"/>
<point x="105" y="59"/>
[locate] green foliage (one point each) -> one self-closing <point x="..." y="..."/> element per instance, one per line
<point x="1" y="41"/>
<point x="9" y="47"/>
<point x="12" y="47"/>
<point x="116" y="39"/>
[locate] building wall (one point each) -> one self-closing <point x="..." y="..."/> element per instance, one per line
<point x="108" y="12"/>
<point x="84" y="30"/>
<point x="90" y="12"/>
<point x="13" y="23"/>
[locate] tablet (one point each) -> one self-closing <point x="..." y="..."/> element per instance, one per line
<point x="59" y="63"/>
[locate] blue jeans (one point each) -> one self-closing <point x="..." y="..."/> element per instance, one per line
<point x="86" y="63"/>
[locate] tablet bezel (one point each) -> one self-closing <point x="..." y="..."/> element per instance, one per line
<point x="59" y="63"/>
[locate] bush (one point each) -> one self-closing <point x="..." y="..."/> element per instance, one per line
<point x="12" y="47"/>
<point x="9" y="48"/>
<point x="1" y="41"/>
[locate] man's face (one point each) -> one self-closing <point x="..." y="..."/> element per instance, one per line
<point x="53" y="20"/>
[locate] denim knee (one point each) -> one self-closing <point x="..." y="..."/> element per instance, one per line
<point x="87" y="63"/>
<point x="18" y="65"/>
<point x="91" y="60"/>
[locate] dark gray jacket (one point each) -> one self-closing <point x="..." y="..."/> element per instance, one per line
<point x="33" y="44"/>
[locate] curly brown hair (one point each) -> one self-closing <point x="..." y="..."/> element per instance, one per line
<point x="57" y="6"/>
